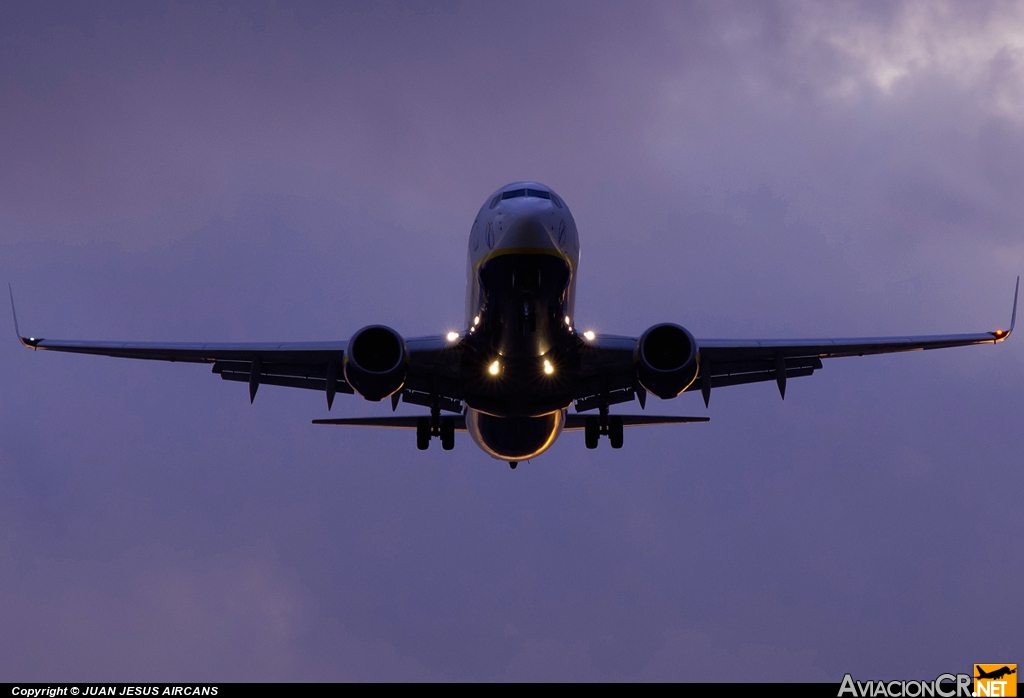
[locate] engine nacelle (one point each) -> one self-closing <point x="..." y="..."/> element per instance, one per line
<point x="666" y="360"/>
<point x="376" y="362"/>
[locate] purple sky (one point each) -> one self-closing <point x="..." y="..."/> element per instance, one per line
<point x="295" y="171"/>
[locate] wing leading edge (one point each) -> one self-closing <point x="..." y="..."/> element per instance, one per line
<point x="309" y="365"/>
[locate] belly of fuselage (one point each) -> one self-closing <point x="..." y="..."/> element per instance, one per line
<point x="524" y="304"/>
<point x="522" y="351"/>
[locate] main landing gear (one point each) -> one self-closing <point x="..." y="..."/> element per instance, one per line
<point x="612" y="428"/>
<point x="444" y="428"/>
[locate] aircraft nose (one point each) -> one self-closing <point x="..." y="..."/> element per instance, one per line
<point x="526" y="232"/>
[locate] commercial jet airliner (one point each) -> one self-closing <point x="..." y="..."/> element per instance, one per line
<point x="511" y="375"/>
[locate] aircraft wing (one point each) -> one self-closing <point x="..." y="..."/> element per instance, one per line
<point x="737" y="361"/>
<point x="726" y="362"/>
<point x="608" y="360"/>
<point x="433" y="362"/>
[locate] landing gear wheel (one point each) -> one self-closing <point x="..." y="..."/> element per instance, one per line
<point x="591" y="432"/>
<point x="423" y="433"/>
<point x="512" y="464"/>
<point x="615" y="431"/>
<point x="448" y="433"/>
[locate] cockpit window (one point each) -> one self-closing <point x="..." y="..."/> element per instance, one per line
<point x="516" y="193"/>
<point x="556" y="200"/>
<point x="494" y="201"/>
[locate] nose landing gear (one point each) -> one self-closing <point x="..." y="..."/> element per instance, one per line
<point x="527" y="320"/>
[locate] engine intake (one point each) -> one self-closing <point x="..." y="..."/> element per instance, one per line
<point x="376" y="362"/>
<point x="666" y="360"/>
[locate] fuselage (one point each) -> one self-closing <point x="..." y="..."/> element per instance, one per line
<point x="520" y="293"/>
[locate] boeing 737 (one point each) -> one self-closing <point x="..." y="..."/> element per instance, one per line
<point x="511" y="374"/>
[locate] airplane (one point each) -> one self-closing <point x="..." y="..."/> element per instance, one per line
<point x="995" y="674"/>
<point x="511" y="374"/>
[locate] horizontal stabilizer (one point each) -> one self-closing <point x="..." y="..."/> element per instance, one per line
<point x="573" y="422"/>
<point x="385" y="422"/>
<point x="577" y="422"/>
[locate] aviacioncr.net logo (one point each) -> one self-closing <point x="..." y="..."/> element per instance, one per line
<point x="944" y="686"/>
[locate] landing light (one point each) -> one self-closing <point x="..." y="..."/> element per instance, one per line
<point x="476" y="320"/>
<point x="494" y="368"/>
<point x="567" y="320"/>
<point x="452" y="336"/>
<point x="589" y="335"/>
<point x="548" y="368"/>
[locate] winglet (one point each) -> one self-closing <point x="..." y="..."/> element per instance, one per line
<point x="1000" y="335"/>
<point x="1013" y="318"/>
<point x="31" y="342"/>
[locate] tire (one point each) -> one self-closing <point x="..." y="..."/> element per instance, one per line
<point x="447" y="433"/>
<point x="423" y="433"/>
<point x="592" y="432"/>
<point x="615" y="431"/>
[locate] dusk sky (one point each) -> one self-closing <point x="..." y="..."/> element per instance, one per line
<point x="294" y="171"/>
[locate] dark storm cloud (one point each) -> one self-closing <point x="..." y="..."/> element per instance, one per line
<point x="295" y="171"/>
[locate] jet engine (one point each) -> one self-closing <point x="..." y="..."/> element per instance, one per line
<point x="376" y="362"/>
<point x="666" y="360"/>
